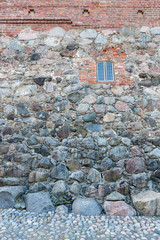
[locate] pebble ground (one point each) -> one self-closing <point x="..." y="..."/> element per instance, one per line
<point x="17" y="225"/>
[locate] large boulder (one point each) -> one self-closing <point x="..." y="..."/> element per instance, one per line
<point x="38" y="202"/>
<point x="148" y="203"/>
<point x="9" y="195"/>
<point x="118" y="208"/>
<point x="86" y="207"/>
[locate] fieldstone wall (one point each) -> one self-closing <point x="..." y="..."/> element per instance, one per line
<point x="62" y="134"/>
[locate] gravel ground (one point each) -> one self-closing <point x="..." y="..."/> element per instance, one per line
<point x="17" y="225"/>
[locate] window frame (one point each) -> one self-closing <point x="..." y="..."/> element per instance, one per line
<point x="105" y="71"/>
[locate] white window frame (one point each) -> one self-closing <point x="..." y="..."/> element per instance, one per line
<point x="105" y="71"/>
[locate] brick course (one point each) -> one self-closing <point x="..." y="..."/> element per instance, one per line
<point x="102" y="14"/>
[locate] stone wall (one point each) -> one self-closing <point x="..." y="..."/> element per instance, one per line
<point x="62" y="134"/>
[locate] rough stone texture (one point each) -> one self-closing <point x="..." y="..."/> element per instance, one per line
<point x="148" y="203"/>
<point x="135" y="165"/>
<point x="9" y="195"/>
<point x="61" y="130"/>
<point x="94" y="176"/>
<point x="38" y="202"/>
<point x="140" y="180"/>
<point x="113" y="174"/>
<point x="118" y="208"/>
<point x="119" y="152"/>
<point x="86" y="207"/>
<point x="88" y="33"/>
<point x="115" y="196"/>
<point x="60" y="172"/>
<point x="109" y="117"/>
<point x="27" y="34"/>
<point x="60" y="188"/>
<point x="79" y="176"/>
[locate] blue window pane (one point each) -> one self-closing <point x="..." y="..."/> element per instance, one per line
<point x="100" y="69"/>
<point x="109" y="72"/>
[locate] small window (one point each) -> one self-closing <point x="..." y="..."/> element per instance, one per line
<point x="105" y="72"/>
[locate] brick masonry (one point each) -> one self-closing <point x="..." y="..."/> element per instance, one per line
<point x="69" y="14"/>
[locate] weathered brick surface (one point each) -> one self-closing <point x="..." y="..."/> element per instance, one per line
<point x="71" y="13"/>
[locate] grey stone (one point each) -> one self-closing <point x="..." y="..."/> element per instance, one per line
<point x="75" y="188"/>
<point x="106" y="164"/>
<point x="94" y="176"/>
<point x="38" y="202"/>
<point x="9" y="195"/>
<point x="57" y="32"/>
<point x="15" y="45"/>
<point x="45" y="163"/>
<point x="5" y="92"/>
<point x="89" y="117"/>
<point x="42" y="115"/>
<point x="43" y="150"/>
<point x="35" y="56"/>
<point x="155" y="31"/>
<point x="101" y="39"/>
<point x="116" y="39"/>
<point x="140" y="180"/>
<point x="118" y="153"/>
<point x="126" y="141"/>
<point x="88" y="33"/>
<point x="39" y="81"/>
<point x="145" y="38"/>
<point x="95" y="127"/>
<point x="102" y="142"/>
<point x="128" y="99"/>
<point x="26" y="90"/>
<point x="109" y="100"/>
<point x="61" y="210"/>
<point x="114" y="141"/>
<point x="152" y="164"/>
<point x="109" y="133"/>
<point x="27" y="34"/>
<point x="22" y="110"/>
<point x="60" y="154"/>
<point x="157" y="173"/>
<point x="60" y="188"/>
<point x="52" y="41"/>
<point x="32" y="140"/>
<point x="88" y="143"/>
<point x="155" y="153"/>
<point x="72" y="46"/>
<point x="127" y="31"/>
<point x="115" y="196"/>
<point x="84" y="41"/>
<point x="60" y="172"/>
<point x="74" y="97"/>
<point x="10" y="181"/>
<point x="82" y="108"/>
<point x="37" y="187"/>
<point x="78" y="175"/>
<point x="86" y="207"/>
<point x="52" y="142"/>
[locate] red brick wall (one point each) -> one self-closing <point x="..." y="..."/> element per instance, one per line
<point x="115" y="55"/>
<point x="102" y="13"/>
